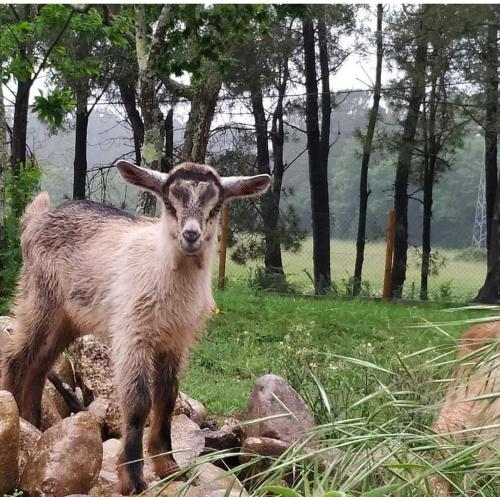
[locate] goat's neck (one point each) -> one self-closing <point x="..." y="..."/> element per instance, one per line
<point x="195" y="269"/>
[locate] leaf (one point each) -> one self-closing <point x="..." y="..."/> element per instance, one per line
<point x="381" y="491"/>
<point x="337" y="494"/>
<point x="281" y="491"/>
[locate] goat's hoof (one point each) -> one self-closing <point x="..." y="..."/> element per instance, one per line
<point x="129" y="486"/>
<point x="165" y="468"/>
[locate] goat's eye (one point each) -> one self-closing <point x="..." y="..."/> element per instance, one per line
<point x="170" y="208"/>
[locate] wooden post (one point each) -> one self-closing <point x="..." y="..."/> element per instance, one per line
<point x="224" y="233"/>
<point x="391" y="223"/>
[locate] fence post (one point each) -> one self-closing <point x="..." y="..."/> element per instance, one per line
<point x="391" y="223"/>
<point x="224" y="233"/>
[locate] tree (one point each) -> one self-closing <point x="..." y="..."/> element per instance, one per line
<point x="32" y="33"/>
<point x="318" y="169"/>
<point x="416" y="74"/>
<point x="364" y="192"/>
<point x="490" y="291"/>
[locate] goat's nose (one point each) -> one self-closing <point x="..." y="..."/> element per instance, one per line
<point x="191" y="236"/>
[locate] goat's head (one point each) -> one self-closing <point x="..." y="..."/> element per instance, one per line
<point x="192" y="196"/>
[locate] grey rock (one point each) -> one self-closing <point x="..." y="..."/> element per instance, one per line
<point x="67" y="459"/>
<point x="9" y="442"/>
<point x="273" y="396"/>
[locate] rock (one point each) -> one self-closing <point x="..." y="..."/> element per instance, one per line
<point x="272" y="396"/>
<point x="210" y="478"/>
<point x="192" y="408"/>
<point x="67" y="459"/>
<point x="99" y="408"/>
<point x="110" y="451"/>
<point x="262" y="446"/>
<point x="28" y="438"/>
<point x="173" y="489"/>
<point x="50" y="414"/>
<point x="94" y="375"/>
<point x="221" y="440"/>
<point x="64" y="369"/>
<point x="9" y="442"/>
<point x="188" y="440"/>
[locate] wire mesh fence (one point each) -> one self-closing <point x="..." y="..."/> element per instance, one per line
<point x="455" y="274"/>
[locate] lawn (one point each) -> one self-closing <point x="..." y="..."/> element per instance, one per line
<point x="456" y="280"/>
<point x="373" y="373"/>
<point x="257" y="333"/>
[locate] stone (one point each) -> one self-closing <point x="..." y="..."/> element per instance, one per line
<point x="192" y="408"/>
<point x="50" y="413"/>
<point x="173" y="489"/>
<point x="262" y="446"/>
<point x="64" y="369"/>
<point x="216" y="440"/>
<point x="188" y="440"/>
<point x="94" y="376"/>
<point x="9" y="442"/>
<point x="99" y="408"/>
<point x="210" y="478"/>
<point x="28" y="439"/>
<point x="67" y="459"/>
<point x="273" y="396"/>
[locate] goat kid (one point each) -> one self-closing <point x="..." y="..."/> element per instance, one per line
<point x="142" y="284"/>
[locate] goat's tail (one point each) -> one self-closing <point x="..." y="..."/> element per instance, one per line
<point x="39" y="205"/>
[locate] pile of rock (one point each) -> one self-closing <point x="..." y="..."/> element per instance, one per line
<point x="77" y="454"/>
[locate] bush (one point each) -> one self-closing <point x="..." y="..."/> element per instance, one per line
<point x="260" y="279"/>
<point x="18" y="192"/>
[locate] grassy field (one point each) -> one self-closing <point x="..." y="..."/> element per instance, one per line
<point x="257" y="333"/>
<point x="457" y="280"/>
<point x="372" y="378"/>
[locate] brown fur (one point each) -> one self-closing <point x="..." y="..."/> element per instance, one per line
<point x="89" y="268"/>
<point x="477" y="374"/>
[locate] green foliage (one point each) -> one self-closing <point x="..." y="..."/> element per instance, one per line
<point x="18" y="191"/>
<point x="260" y="279"/>
<point x="54" y="107"/>
<point x="16" y="493"/>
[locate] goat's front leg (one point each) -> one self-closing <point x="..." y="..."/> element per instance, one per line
<point x="132" y="377"/>
<point x="165" y="391"/>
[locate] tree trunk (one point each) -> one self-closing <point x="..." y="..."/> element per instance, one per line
<point x="19" y="137"/>
<point x="127" y="93"/>
<point x="398" y="274"/>
<point x="152" y="147"/>
<point x="270" y="212"/>
<point x="490" y="131"/>
<point x="200" y="119"/>
<point x="167" y="162"/>
<point x="430" y="160"/>
<point x="3" y="169"/>
<point x="80" y="162"/>
<point x="318" y="173"/>
<point x="365" y="160"/>
<point x="20" y="127"/>
<point x="490" y="291"/>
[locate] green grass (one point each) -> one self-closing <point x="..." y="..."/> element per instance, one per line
<point x="457" y="281"/>
<point x="372" y="379"/>
<point x="258" y="333"/>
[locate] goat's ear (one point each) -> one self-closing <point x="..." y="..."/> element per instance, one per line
<point x="245" y="186"/>
<point x="143" y="178"/>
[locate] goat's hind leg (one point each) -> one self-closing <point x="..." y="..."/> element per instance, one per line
<point x="165" y="391"/>
<point x="28" y="356"/>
